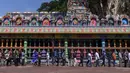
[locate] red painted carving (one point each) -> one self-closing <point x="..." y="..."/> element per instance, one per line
<point x="65" y="30"/>
<point x="98" y="30"/>
<point x="108" y="30"/>
<point x="56" y="29"/>
<point x="15" y="29"/>
<point x="124" y="29"/>
<point x="6" y="30"/>
<point x="90" y="30"/>
<point x="32" y="29"/>
<point x="73" y="30"/>
<point x="23" y="29"/>
<point x="116" y="30"/>
<point x="48" y="29"/>
<point x="82" y="30"/>
<point x="39" y="30"/>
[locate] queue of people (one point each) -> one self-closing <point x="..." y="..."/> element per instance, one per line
<point x="9" y="58"/>
<point x="59" y="58"/>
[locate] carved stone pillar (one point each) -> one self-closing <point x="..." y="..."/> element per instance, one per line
<point x="43" y="43"/>
<point x="34" y="43"/>
<point x="114" y="43"/>
<point x="11" y="43"/>
<point x="109" y="43"/>
<point x="120" y="43"/>
<point x="15" y="42"/>
<point x="48" y="46"/>
<point x="20" y="42"/>
<point x="2" y="45"/>
<point x="125" y="43"/>
<point x="59" y="43"/>
<point x="72" y="43"/>
<point x="7" y="41"/>
<point x="39" y="43"/>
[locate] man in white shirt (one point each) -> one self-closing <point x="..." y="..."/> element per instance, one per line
<point x="89" y="59"/>
<point x="120" y="58"/>
<point x="48" y="58"/>
<point x="97" y="58"/>
<point x="7" y="58"/>
<point x="129" y="58"/>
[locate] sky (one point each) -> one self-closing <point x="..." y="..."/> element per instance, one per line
<point x="19" y="6"/>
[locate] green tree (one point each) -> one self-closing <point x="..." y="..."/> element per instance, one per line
<point x="55" y="5"/>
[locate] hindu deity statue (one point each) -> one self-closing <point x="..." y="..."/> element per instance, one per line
<point x="124" y="21"/>
<point x="46" y="22"/>
<point x="75" y="21"/>
<point x="34" y="21"/>
<point x="19" y="21"/>
<point x="59" y="22"/>
<point x="93" y="22"/>
<point x="111" y="21"/>
<point x="6" y="20"/>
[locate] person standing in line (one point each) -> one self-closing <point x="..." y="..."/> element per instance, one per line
<point x="103" y="58"/>
<point x="3" y="58"/>
<point x="48" y="58"/>
<point x="120" y="58"/>
<point x="57" y="58"/>
<point x="81" y="59"/>
<point x="97" y="58"/>
<point x="109" y="58"/>
<point x="0" y="58"/>
<point x="63" y="59"/>
<point x="75" y="59"/>
<point x="19" y="57"/>
<point x="10" y="57"/>
<point x="89" y="59"/>
<point x="35" y="56"/>
<point x="23" y="58"/>
<point x="67" y="58"/>
<point x="53" y="58"/>
<point x="114" y="58"/>
<point x="39" y="59"/>
<point x="125" y="58"/>
<point x="7" y="58"/>
<point x="129" y="58"/>
<point x="16" y="58"/>
<point x="71" y="58"/>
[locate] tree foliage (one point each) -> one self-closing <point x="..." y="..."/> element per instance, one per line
<point x="55" y="5"/>
<point x="98" y="7"/>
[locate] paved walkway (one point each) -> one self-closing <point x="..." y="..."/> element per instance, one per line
<point x="62" y="69"/>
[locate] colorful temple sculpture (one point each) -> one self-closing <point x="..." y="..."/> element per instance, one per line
<point x="71" y="31"/>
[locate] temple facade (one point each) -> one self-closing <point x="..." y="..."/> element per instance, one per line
<point x="54" y="31"/>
